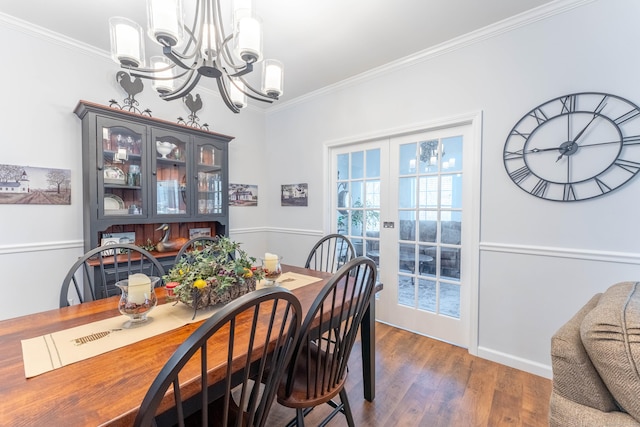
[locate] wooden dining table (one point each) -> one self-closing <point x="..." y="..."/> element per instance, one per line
<point x="107" y="389"/>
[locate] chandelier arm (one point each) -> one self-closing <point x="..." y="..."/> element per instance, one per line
<point x="224" y="93"/>
<point x="149" y="73"/>
<point x="264" y="96"/>
<point x="226" y="54"/>
<point x="246" y="70"/>
<point x="218" y="26"/>
<point x="177" y="60"/>
<point x="197" y="19"/>
<point x="249" y="94"/>
<point x="187" y="86"/>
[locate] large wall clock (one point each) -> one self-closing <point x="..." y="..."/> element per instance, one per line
<point x="575" y="147"/>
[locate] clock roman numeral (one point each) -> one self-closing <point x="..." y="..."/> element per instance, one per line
<point x="631" y="140"/>
<point x="520" y="174"/>
<point x="541" y="188"/>
<point x="539" y="115"/>
<point x="633" y="113"/>
<point x="603" y="187"/>
<point x="568" y="104"/>
<point x="522" y="134"/>
<point x="569" y="193"/>
<point x="628" y="165"/>
<point x="601" y="106"/>
<point x="513" y="155"/>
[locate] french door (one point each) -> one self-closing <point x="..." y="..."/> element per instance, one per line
<point x="403" y="202"/>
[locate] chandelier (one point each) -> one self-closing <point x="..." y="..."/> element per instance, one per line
<point x="202" y="49"/>
<point x="429" y="152"/>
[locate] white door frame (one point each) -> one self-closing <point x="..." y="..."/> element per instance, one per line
<point x="472" y="265"/>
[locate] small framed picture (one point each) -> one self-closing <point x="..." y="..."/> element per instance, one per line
<point x="128" y="237"/>
<point x="294" y="195"/>
<point x="106" y="241"/>
<point x="199" y="232"/>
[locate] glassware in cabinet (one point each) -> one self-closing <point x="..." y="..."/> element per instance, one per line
<point x="210" y="196"/>
<point x="171" y="192"/>
<point x="121" y="161"/>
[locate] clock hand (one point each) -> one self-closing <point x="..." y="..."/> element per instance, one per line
<point x="564" y="150"/>
<point x="601" y="143"/>
<point x="540" y="150"/>
<point x="596" y="113"/>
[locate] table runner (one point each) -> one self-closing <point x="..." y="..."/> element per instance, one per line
<point x="55" y="350"/>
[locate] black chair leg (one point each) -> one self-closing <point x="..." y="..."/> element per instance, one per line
<point x="300" y="417"/>
<point x="346" y="407"/>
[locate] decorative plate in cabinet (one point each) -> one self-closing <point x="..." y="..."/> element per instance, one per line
<point x="114" y="175"/>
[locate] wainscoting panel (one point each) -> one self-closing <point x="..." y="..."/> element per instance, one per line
<point x="32" y="275"/>
<point x="526" y="293"/>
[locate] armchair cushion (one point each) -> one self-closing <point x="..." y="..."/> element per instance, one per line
<point x="610" y="333"/>
<point x="574" y="376"/>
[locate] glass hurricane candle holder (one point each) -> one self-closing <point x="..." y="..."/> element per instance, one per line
<point x="272" y="270"/>
<point x="137" y="301"/>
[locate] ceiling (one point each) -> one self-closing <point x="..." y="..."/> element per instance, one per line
<point x="320" y="42"/>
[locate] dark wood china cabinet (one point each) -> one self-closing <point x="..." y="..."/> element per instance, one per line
<point x="141" y="172"/>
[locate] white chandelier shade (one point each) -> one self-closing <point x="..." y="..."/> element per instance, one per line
<point x="203" y="48"/>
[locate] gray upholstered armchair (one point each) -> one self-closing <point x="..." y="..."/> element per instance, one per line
<point x="595" y="358"/>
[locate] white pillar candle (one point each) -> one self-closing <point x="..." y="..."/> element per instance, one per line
<point x="270" y="261"/>
<point x="139" y="288"/>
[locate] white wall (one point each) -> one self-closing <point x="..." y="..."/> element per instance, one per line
<point x="539" y="260"/>
<point x="47" y="78"/>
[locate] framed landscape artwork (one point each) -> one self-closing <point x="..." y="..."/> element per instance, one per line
<point x="294" y="195"/>
<point x="243" y="195"/>
<point x="34" y="186"/>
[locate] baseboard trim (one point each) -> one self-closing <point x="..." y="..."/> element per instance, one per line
<point x="515" y="362"/>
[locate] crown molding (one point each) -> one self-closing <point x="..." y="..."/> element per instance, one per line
<point x="42" y="33"/>
<point x="510" y="24"/>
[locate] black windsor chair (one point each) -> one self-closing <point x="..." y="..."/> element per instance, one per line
<point x="330" y="253"/>
<point x="318" y="369"/>
<point x="271" y="317"/>
<point x="95" y="273"/>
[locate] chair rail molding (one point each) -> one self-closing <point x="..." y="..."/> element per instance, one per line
<point x="41" y="246"/>
<point x="572" y="253"/>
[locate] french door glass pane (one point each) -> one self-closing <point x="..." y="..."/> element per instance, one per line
<point x="450" y="299"/>
<point x="429" y="214"/>
<point x="407" y="193"/>
<point x="427" y="290"/>
<point x="373" y="163"/>
<point x="358" y="200"/>
<point x="452" y="154"/>
<point x="407" y="158"/>
<point x="357" y="165"/>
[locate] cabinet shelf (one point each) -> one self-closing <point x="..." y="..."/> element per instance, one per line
<point x="170" y="161"/>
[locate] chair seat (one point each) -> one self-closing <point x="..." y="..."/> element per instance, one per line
<point x="300" y="397"/>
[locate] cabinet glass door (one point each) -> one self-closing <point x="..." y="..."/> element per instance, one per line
<point x="120" y="159"/>
<point x="210" y="179"/>
<point x="171" y="196"/>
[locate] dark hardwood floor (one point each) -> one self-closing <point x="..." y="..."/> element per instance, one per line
<point x="424" y="382"/>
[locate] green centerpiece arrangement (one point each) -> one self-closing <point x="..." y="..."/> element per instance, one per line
<point x="216" y="272"/>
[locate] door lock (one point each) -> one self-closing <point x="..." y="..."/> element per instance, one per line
<point x="388" y="224"/>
